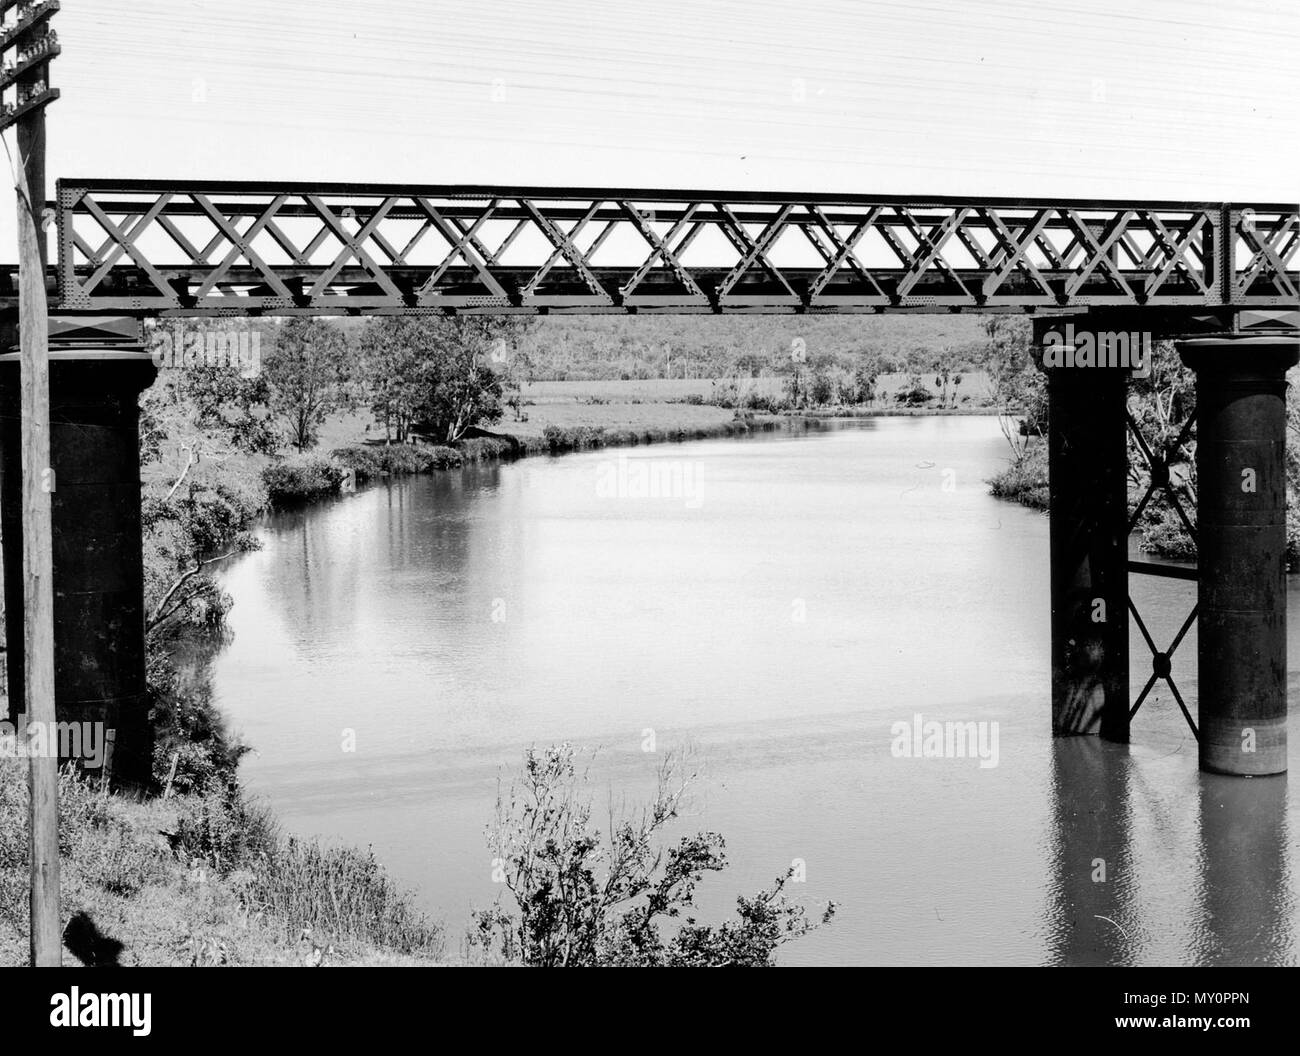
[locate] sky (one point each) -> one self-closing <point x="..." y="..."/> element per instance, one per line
<point x="1111" y="99"/>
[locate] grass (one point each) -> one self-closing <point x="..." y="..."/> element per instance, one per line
<point x="201" y="882"/>
<point x="573" y="414"/>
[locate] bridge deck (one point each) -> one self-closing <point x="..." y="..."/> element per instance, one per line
<point x="195" y="248"/>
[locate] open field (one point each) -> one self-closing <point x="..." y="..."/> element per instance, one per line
<point x="667" y="390"/>
<point x="568" y="412"/>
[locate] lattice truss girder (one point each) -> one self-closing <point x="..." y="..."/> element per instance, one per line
<point x="255" y="247"/>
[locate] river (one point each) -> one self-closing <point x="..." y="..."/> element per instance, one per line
<point x="776" y="605"/>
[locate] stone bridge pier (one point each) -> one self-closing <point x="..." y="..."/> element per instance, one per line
<point x="98" y="368"/>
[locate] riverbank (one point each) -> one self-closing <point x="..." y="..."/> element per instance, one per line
<point x="892" y="412"/>
<point x="1161" y="531"/>
<point x="307" y="477"/>
<point x="201" y="882"/>
<point x="559" y="417"/>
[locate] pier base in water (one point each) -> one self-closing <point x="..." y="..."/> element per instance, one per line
<point x="1088" y="465"/>
<point x="1241" y="544"/>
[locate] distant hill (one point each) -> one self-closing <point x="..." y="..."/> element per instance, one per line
<point x="575" y="348"/>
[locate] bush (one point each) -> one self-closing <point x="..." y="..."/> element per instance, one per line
<point x="1025" y="480"/>
<point x="364" y="461"/>
<point x="574" y="438"/>
<point x="916" y="396"/>
<point x="445" y="457"/>
<point x="1164" y="534"/>
<point x="301" y="478"/>
<point x="581" y="899"/>
<point x="486" y="448"/>
<point x="190" y="730"/>
<point x="226" y="831"/>
<point x="368" y="463"/>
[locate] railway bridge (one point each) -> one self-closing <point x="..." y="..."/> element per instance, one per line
<point x="1218" y="278"/>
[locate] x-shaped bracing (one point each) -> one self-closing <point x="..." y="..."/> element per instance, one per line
<point x="1158" y="466"/>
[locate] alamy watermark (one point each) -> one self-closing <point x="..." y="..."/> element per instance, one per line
<point x="1124" y="349"/>
<point x="651" y="478"/>
<point x="85" y="742"/>
<point x="930" y="739"/>
<point x="179" y="347"/>
<point x="93" y="1009"/>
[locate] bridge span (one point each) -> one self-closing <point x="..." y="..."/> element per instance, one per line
<point x="1219" y="278"/>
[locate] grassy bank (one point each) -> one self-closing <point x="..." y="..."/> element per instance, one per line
<point x="201" y="882"/>
<point x="303" y="478"/>
<point x="563" y="416"/>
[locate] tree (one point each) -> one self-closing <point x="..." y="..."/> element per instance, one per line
<point x="460" y="385"/>
<point x="442" y="376"/>
<point x="393" y="375"/>
<point x="1019" y="387"/>
<point x="584" y="900"/>
<point x="516" y="372"/>
<point x="942" y="365"/>
<point x="865" y="376"/>
<point x="307" y="374"/>
<point x="232" y="405"/>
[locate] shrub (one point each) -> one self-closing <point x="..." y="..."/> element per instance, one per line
<point x="364" y="461"/>
<point x="301" y="478"/>
<point x="445" y="457"/>
<point x="486" y="448"/>
<point x="915" y="396"/>
<point x="227" y="831"/>
<point x="190" y="730"/>
<point x="1025" y="479"/>
<point x="1163" y="533"/>
<point x="584" y="900"/>
<point x="574" y="438"/>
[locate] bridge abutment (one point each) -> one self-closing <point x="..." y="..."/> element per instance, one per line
<point x="1241" y="542"/>
<point x="1088" y="466"/>
<point x="99" y="619"/>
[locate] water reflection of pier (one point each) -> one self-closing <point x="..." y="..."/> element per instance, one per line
<point x="1104" y="899"/>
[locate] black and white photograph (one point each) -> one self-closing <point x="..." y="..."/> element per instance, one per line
<point x="713" y="484"/>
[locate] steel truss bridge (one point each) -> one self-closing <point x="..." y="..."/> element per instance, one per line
<point x="140" y="247"/>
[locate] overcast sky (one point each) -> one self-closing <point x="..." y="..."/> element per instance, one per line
<point x="1158" y="99"/>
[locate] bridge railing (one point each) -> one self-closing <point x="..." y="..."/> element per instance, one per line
<point x="149" y="247"/>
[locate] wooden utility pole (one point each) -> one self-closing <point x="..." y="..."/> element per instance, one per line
<point x="29" y="36"/>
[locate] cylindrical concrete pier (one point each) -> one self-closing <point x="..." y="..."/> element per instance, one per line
<point x="99" y="650"/>
<point x="1088" y="465"/>
<point x="1241" y="542"/>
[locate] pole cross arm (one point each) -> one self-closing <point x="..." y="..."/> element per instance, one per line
<point x="26" y="49"/>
